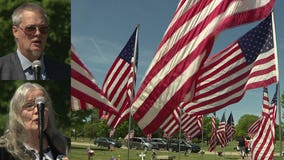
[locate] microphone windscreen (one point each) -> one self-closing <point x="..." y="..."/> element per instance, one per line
<point x="36" y="63"/>
<point x="40" y="100"/>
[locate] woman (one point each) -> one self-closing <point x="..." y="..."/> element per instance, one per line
<point x="21" y="140"/>
<point x="247" y="149"/>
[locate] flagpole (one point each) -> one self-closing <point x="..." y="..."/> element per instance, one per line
<point x="277" y="72"/>
<point x="279" y="119"/>
<point x="202" y="125"/>
<point x="215" y="138"/>
<point x="133" y="84"/>
<point x="179" y="135"/>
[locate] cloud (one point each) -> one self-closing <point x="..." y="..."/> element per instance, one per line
<point x="98" y="55"/>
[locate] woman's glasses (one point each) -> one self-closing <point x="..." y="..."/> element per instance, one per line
<point x="31" y="106"/>
<point x="31" y="30"/>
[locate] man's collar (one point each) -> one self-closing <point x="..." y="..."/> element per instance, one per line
<point x="26" y="63"/>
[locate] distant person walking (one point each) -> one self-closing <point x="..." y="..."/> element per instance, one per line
<point x="247" y="146"/>
<point x="242" y="146"/>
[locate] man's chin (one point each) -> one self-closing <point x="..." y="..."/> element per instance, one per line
<point x="36" y="53"/>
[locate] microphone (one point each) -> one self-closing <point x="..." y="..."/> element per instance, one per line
<point x="36" y="66"/>
<point x="40" y="104"/>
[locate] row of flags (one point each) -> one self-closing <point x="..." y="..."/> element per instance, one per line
<point x="190" y="125"/>
<point x="262" y="131"/>
<point x="224" y="133"/>
<point x="262" y="146"/>
<point x="182" y="83"/>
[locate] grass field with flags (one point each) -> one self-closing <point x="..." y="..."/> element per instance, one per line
<point x="79" y="151"/>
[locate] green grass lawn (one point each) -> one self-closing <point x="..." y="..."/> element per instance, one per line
<point x="79" y="152"/>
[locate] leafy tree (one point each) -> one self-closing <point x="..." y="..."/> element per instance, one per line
<point x="282" y="125"/>
<point x="58" y="43"/>
<point x="7" y="91"/>
<point x="122" y="130"/>
<point x="244" y="123"/>
<point x="207" y="127"/>
<point x="282" y="104"/>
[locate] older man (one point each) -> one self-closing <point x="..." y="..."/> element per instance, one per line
<point x="30" y="29"/>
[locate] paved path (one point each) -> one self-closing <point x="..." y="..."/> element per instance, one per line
<point x="83" y="144"/>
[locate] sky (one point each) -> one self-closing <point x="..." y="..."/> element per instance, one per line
<point x="101" y="28"/>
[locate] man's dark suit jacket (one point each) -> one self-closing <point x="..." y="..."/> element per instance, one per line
<point x="11" y="69"/>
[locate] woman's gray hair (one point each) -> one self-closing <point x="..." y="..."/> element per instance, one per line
<point x="16" y="135"/>
<point x="17" y="14"/>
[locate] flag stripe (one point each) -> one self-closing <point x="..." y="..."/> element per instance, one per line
<point x="85" y="94"/>
<point x="191" y="125"/>
<point x="78" y="66"/>
<point x="253" y="129"/>
<point x="171" y="124"/>
<point x="122" y="71"/>
<point x="213" y="140"/>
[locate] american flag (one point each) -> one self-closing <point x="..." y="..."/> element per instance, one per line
<point x="252" y="130"/>
<point x="230" y="127"/>
<point x="187" y="137"/>
<point x="119" y="83"/>
<point x="171" y="125"/>
<point x="130" y="135"/>
<point x="213" y="139"/>
<point x="190" y="125"/>
<point x="149" y="136"/>
<point x="221" y="132"/>
<point x="111" y="132"/>
<point x="165" y="135"/>
<point x="273" y="109"/>
<point x="263" y="142"/>
<point x="185" y="46"/>
<point x="248" y="63"/>
<point x="85" y="94"/>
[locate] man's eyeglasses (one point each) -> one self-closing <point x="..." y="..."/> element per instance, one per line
<point x="31" y="30"/>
